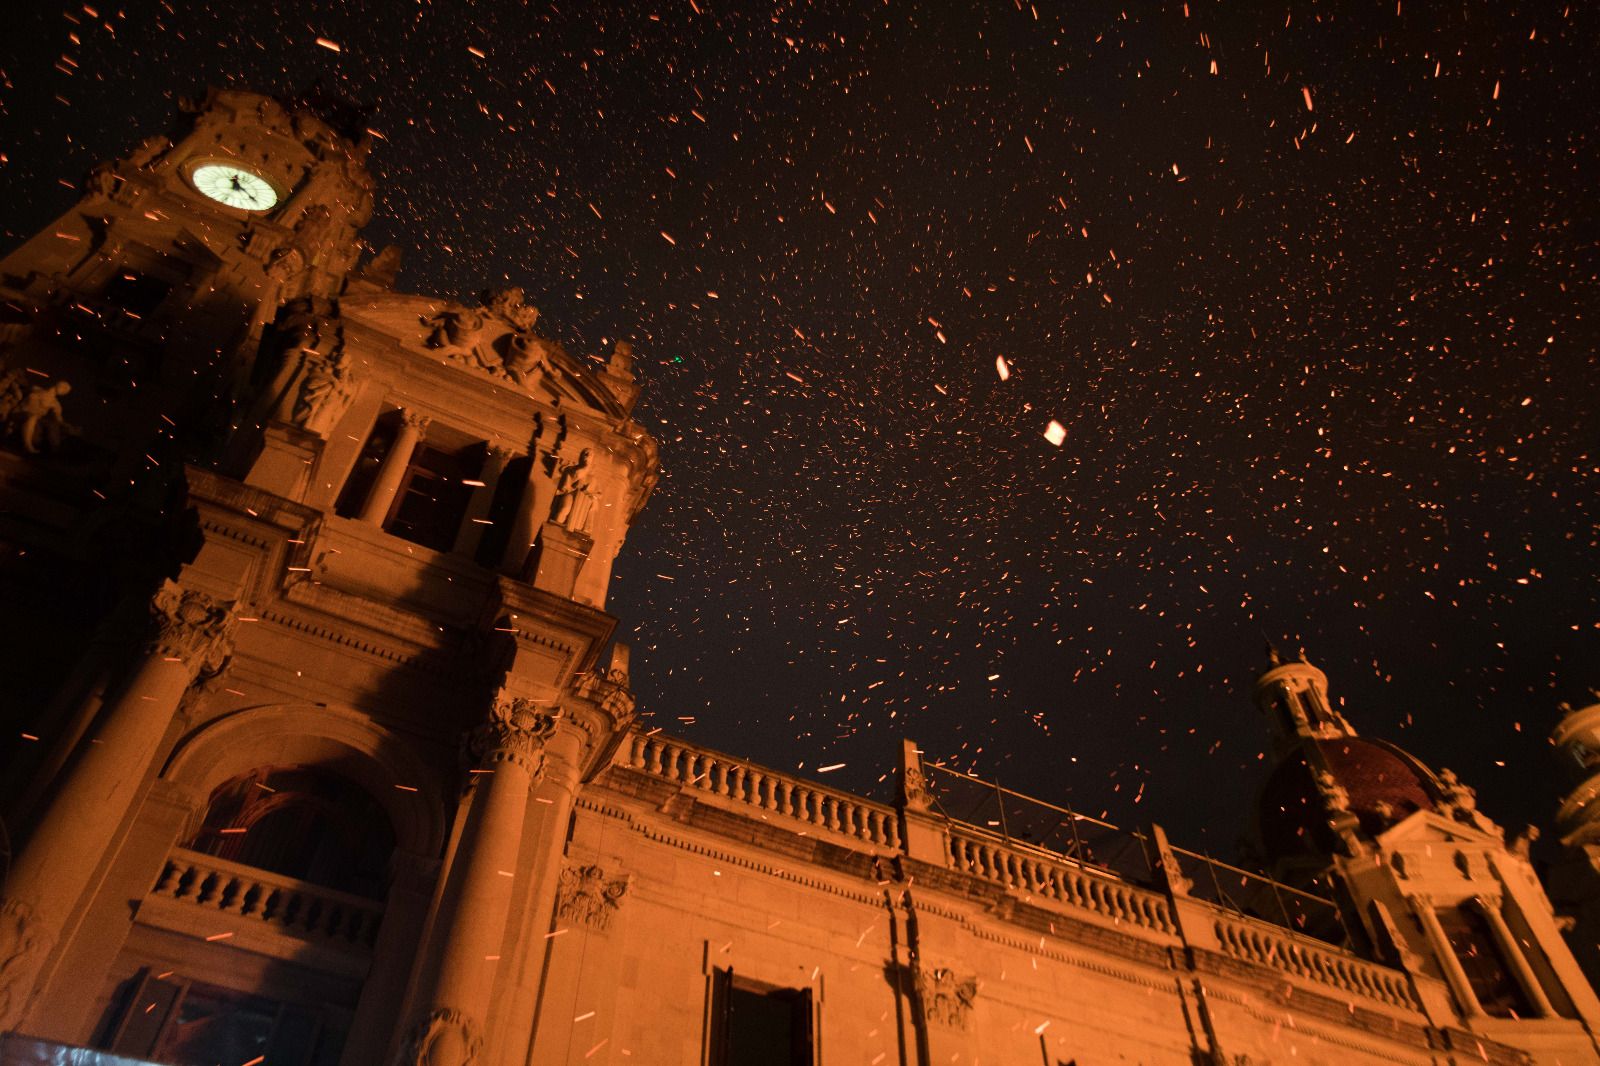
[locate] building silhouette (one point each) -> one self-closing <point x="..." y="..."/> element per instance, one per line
<point x="323" y="753"/>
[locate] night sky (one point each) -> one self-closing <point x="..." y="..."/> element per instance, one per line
<point x="1311" y="288"/>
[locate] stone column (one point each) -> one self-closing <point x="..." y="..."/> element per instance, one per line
<point x="471" y="532"/>
<point x="62" y="855"/>
<point x="1454" y="975"/>
<point x="1511" y="952"/>
<point x="463" y="954"/>
<point x="532" y="509"/>
<point x="393" y="469"/>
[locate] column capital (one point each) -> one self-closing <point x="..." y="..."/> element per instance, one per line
<point x="24" y="942"/>
<point x="416" y="420"/>
<point x="515" y="731"/>
<point x="191" y="626"/>
<point x="443" y="1037"/>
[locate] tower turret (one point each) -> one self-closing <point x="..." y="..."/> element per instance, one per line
<point x="1426" y="877"/>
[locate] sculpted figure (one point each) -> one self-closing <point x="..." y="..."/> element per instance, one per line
<point x="573" y="507"/>
<point x="453" y="328"/>
<point x="507" y="303"/>
<point x="325" y="393"/>
<point x="525" y="355"/>
<point x="34" y="413"/>
<point x="148" y="151"/>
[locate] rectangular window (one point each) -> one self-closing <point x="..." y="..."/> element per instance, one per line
<point x="1490" y="976"/>
<point x="168" y="1019"/>
<point x="433" y="498"/>
<point x="757" y="1024"/>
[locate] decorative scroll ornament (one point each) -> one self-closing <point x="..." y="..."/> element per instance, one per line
<point x="946" y="998"/>
<point x="445" y="1037"/>
<point x="192" y="627"/>
<point x="610" y="691"/>
<point x="23" y="943"/>
<point x="587" y="896"/>
<point x="516" y="730"/>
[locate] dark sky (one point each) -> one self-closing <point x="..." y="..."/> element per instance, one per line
<point x="1311" y="288"/>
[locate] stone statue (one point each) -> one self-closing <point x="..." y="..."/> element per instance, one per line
<point x="315" y="385"/>
<point x="325" y="394"/>
<point x="573" y="507"/>
<point x="382" y="269"/>
<point x="507" y="303"/>
<point x="525" y="356"/>
<point x="586" y="895"/>
<point x="1460" y="801"/>
<point x="1522" y="843"/>
<point x="1335" y="797"/>
<point x="34" y="412"/>
<point x="453" y="328"/>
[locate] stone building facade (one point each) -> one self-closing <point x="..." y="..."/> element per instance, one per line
<point x="323" y="753"/>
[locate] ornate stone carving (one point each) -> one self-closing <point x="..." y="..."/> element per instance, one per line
<point x="507" y="303"/>
<point x="946" y="997"/>
<point x="574" y="504"/>
<point x="1460" y="801"/>
<point x="453" y="327"/>
<point x="33" y="412"/>
<point x="496" y="339"/>
<point x="382" y="269"/>
<point x="587" y="896"/>
<point x="445" y="1037"/>
<point x="191" y="626"/>
<point x="23" y="943"/>
<point x="914" y="783"/>
<point x="517" y="729"/>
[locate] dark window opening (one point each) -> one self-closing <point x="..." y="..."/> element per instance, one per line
<point x="503" y="511"/>
<point x="171" y="1020"/>
<point x="433" y="497"/>
<point x="358" y="486"/>
<point x="134" y="294"/>
<point x="431" y="502"/>
<point x="757" y="1024"/>
<point x="303" y="823"/>
<point x="1489" y="974"/>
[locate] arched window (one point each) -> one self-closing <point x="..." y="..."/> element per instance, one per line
<point x="302" y="822"/>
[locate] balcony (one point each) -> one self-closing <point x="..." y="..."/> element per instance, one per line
<point x="254" y="910"/>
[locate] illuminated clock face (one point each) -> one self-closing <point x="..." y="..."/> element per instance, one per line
<point x="233" y="186"/>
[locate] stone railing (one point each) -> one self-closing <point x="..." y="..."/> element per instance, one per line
<point x="762" y="789"/>
<point x="1264" y="945"/>
<point x="1060" y="881"/>
<point x="282" y="903"/>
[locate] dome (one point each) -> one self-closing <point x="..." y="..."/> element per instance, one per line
<point x="1383" y="782"/>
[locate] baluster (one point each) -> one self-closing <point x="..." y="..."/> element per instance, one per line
<point x="250" y="900"/>
<point x="757" y="783"/>
<point x="655" y="751"/>
<point x="231" y="896"/>
<point x="167" y="883"/>
<point x="208" y="889"/>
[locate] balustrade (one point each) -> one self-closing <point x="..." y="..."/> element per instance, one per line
<point x="835" y="812"/>
<point x="1063" y="883"/>
<point x="1266" y="946"/>
<point x="244" y="892"/>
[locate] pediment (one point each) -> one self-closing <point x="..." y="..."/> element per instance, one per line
<point x="496" y="342"/>
<point x="1430" y="827"/>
